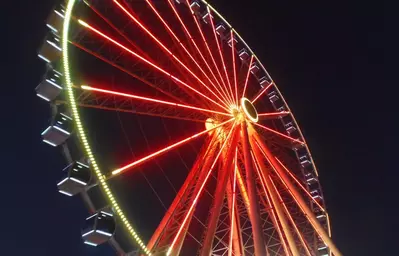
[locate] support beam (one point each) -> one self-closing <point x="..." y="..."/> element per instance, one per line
<point x="219" y="197"/>
<point x="254" y="215"/>
<point x="265" y="176"/>
<point x="195" y="171"/>
<point x="297" y="196"/>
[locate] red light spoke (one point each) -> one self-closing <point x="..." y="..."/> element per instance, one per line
<point x="195" y="45"/>
<point x="166" y="149"/>
<point x="234" y="65"/>
<point x="279" y="133"/>
<point x="273" y="114"/>
<point x="210" y="54"/>
<point x="299" y="183"/>
<point x="166" y="49"/>
<point x="262" y="92"/>
<point x="132" y="96"/>
<point x="247" y="78"/>
<point x="178" y="81"/>
<point x="185" y="49"/>
<point x="220" y="51"/>
<point x="200" y="191"/>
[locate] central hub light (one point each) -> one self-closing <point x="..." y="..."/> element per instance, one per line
<point x="249" y="110"/>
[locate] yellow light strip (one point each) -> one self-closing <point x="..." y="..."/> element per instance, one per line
<point x="82" y="135"/>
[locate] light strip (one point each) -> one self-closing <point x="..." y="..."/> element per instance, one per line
<point x="62" y="114"/>
<point x="103" y="233"/>
<point x="51" y="82"/>
<point x="106" y="213"/>
<point x="43" y="58"/>
<point x="210" y="54"/>
<point x="87" y="233"/>
<point x="91" y="216"/>
<point x="84" y="165"/>
<point x="279" y="133"/>
<point x="79" y="181"/>
<point x="247" y="78"/>
<point x="61" y="130"/>
<point x="90" y="243"/>
<point x="54" y="45"/>
<point x="166" y="49"/>
<point x="234" y="65"/>
<point x="72" y="103"/>
<point x="147" y="61"/>
<point x="89" y="88"/>
<point x="274" y="114"/>
<point x="220" y="53"/>
<point x="61" y="182"/>
<point x="45" y="131"/>
<point x="41" y="96"/>
<point x="65" y="193"/>
<point x="50" y="143"/>
<point x="199" y="193"/>
<point x="262" y="92"/>
<point x="196" y="46"/>
<point x="52" y="28"/>
<point x="117" y="171"/>
<point x="185" y="49"/>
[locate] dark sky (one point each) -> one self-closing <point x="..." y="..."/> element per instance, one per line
<point x="330" y="60"/>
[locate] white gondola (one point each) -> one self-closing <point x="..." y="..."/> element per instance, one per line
<point x="51" y="48"/>
<point x="243" y="54"/>
<point x="56" y="19"/>
<point x="51" y="86"/>
<point x="100" y="227"/>
<point x="195" y="6"/>
<point x="77" y="177"/>
<point x="59" y="130"/>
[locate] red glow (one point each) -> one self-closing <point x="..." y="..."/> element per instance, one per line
<point x="279" y="133"/>
<point x="242" y="187"/>
<point x="247" y="78"/>
<point x="300" y="184"/>
<point x="220" y="52"/>
<point x="166" y="49"/>
<point x="233" y="206"/>
<point x="262" y="179"/>
<point x="275" y="114"/>
<point x="132" y="96"/>
<point x="264" y="90"/>
<point x="234" y="64"/>
<point x="210" y="53"/>
<point x="185" y="49"/>
<point x="200" y="191"/>
<point x="292" y="220"/>
<point x="166" y="149"/>
<point x="147" y="62"/>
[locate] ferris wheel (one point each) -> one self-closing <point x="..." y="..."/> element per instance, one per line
<point x="175" y="136"/>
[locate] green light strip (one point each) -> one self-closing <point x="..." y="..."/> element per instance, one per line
<point x="72" y="102"/>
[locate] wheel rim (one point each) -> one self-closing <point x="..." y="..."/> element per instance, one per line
<point x="229" y="99"/>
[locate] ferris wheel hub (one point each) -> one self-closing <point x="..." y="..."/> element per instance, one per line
<point x="249" y="110"/>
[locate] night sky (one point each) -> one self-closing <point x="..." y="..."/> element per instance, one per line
<point x="330" y="61"/>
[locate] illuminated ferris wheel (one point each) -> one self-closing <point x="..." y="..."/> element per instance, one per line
<point x="176" y="137"/>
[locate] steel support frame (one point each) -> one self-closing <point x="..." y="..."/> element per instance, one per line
<point x="182" y="195"/>
<point x="297" y="196"/>
<point x="276" y="204"/>
<point x="219" y="197"/>
<point x="254" y="215"/>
